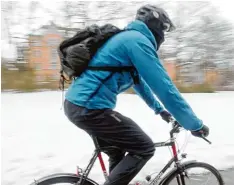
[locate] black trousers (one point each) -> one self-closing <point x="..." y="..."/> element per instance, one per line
<point x="134" y="146"/>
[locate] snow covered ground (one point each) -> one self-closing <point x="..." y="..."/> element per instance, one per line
<point x="37" y="139"/>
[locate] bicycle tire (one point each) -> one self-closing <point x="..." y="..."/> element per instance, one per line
<point x="206" y="166"/>
<point x="62" y="178"/>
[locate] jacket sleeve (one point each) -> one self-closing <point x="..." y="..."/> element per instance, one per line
<point x="143" y="90"/>
<point x="144" y="57"/>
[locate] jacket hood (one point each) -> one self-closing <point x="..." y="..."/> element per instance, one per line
<point x="142" y="28"/>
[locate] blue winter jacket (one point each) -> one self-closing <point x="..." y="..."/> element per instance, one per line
<point x="134" y="47"/>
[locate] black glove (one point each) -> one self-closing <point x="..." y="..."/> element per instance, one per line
<point x="166" y="116"/>
<point x="204" y="131"/>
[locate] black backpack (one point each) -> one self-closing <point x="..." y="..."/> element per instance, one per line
<point x="76" y="52"/>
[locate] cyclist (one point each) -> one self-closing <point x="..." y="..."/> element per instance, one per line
<point x="91" y="98"/>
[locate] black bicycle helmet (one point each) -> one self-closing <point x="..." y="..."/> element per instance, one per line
<point x="157" y="21"/>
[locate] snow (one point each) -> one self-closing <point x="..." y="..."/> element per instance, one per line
<point x="38" y="140"/>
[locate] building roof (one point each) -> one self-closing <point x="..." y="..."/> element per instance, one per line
<point x="51" y="28"/>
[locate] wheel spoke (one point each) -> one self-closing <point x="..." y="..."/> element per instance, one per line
<point x="206" y="183"/>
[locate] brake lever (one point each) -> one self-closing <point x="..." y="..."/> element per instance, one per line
<point x="203" y="137"/>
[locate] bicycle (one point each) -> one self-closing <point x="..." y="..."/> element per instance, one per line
<point x="176" y="176"/>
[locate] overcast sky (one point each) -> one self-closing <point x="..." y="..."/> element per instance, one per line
<point x="52" y="6"/>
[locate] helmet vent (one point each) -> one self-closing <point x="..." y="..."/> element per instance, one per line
<point x="155" y="14"/>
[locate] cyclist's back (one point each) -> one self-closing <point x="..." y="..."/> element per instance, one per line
<point x="98" y="90"/>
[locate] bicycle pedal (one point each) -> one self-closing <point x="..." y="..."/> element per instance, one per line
<point x="184" y="155"/>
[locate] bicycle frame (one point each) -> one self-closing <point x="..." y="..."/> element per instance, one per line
<point x="97" y="154"/>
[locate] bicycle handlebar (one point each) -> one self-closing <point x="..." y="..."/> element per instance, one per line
<point x="176" y="129"/>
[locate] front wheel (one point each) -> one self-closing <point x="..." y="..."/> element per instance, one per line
<point x="63" y="178"/>
<point x="196" y="173"/>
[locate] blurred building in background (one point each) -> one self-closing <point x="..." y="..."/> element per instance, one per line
<point x="43" y="55"/>
<point x="198" y="56"/>
<point x="193" y="74"/>
<point x="170" y="66"/>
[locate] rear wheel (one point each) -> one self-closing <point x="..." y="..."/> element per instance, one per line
<point x="62" y="179"/>
<point x="195" y="174"/>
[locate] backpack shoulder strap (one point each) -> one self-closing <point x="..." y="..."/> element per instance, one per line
<point x="112" y="68"/>
<point x="121" y="69"/>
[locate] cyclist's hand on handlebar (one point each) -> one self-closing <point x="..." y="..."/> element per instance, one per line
<point x="203" y="132"/>
<point x="166" y="116"/>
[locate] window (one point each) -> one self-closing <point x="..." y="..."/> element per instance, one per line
<point x="36" y="43"/>
<point x="53" y="59"/>
<point x="53" y="42"/>
<point x="37" y="53"/>
<point x="53" y="66"/>
<point x="53" y="56"/>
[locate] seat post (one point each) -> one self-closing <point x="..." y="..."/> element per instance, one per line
<point x="99" y="155"/>
<point x="95" y="142"/>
